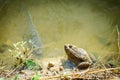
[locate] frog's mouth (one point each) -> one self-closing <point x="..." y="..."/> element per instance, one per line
<point x="67" y="47"/>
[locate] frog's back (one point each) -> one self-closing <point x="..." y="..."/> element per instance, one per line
<point x="76" y="55"/>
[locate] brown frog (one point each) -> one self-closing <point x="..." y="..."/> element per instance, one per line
<point x="78" y="56"/>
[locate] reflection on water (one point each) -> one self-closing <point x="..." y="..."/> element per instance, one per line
<point x="58" y="23"/>
<point x="32" y="35"/>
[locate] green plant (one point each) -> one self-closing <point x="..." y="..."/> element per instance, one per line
<point x="22" y="55"/>
<point x="16" y="77"/>
<point x="30" y="64"/>
<point x="36" y="76"/>
<point x="1" y="78"/>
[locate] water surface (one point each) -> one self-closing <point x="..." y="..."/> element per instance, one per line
<point x="57" y="23"/>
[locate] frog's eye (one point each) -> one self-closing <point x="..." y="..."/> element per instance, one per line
<point x="70" y="46"/>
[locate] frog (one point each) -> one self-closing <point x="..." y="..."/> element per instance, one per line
<point x="78" y="56"/>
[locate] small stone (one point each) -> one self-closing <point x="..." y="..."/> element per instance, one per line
<point x="61" y="68"/>
<point x="50" y="65"/>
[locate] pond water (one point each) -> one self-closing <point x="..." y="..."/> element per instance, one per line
<point x="55" y="23"/>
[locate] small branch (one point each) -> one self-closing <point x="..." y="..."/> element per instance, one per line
<point x="102" y="70"/>
<point x="13" y="70"/>
<point x="78" y="75"/>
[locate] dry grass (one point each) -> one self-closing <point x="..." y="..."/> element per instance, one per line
<point x="87" y="74"/>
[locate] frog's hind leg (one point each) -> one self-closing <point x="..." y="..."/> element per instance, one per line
<point x="83" y="65"/>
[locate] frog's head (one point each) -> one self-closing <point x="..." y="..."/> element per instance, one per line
<point x="69" y="48"/>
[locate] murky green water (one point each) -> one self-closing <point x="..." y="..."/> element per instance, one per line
<point x="58" y="23"/>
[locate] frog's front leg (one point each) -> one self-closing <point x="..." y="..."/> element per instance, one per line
<point x="83" y="65"/>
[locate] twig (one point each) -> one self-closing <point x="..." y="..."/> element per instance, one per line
<point x="74" y="75"/>
<point x="13" y="70"/>
<point x="101" y="70"/>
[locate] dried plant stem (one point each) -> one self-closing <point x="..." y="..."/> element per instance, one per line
<point x="118" y="38"/>
<point x="29" y="57"/>
<point x="13" y="70"/>
<point x="78" y="74"/>
<point x="101" y="70"/>
<point x="29" y="53"/>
